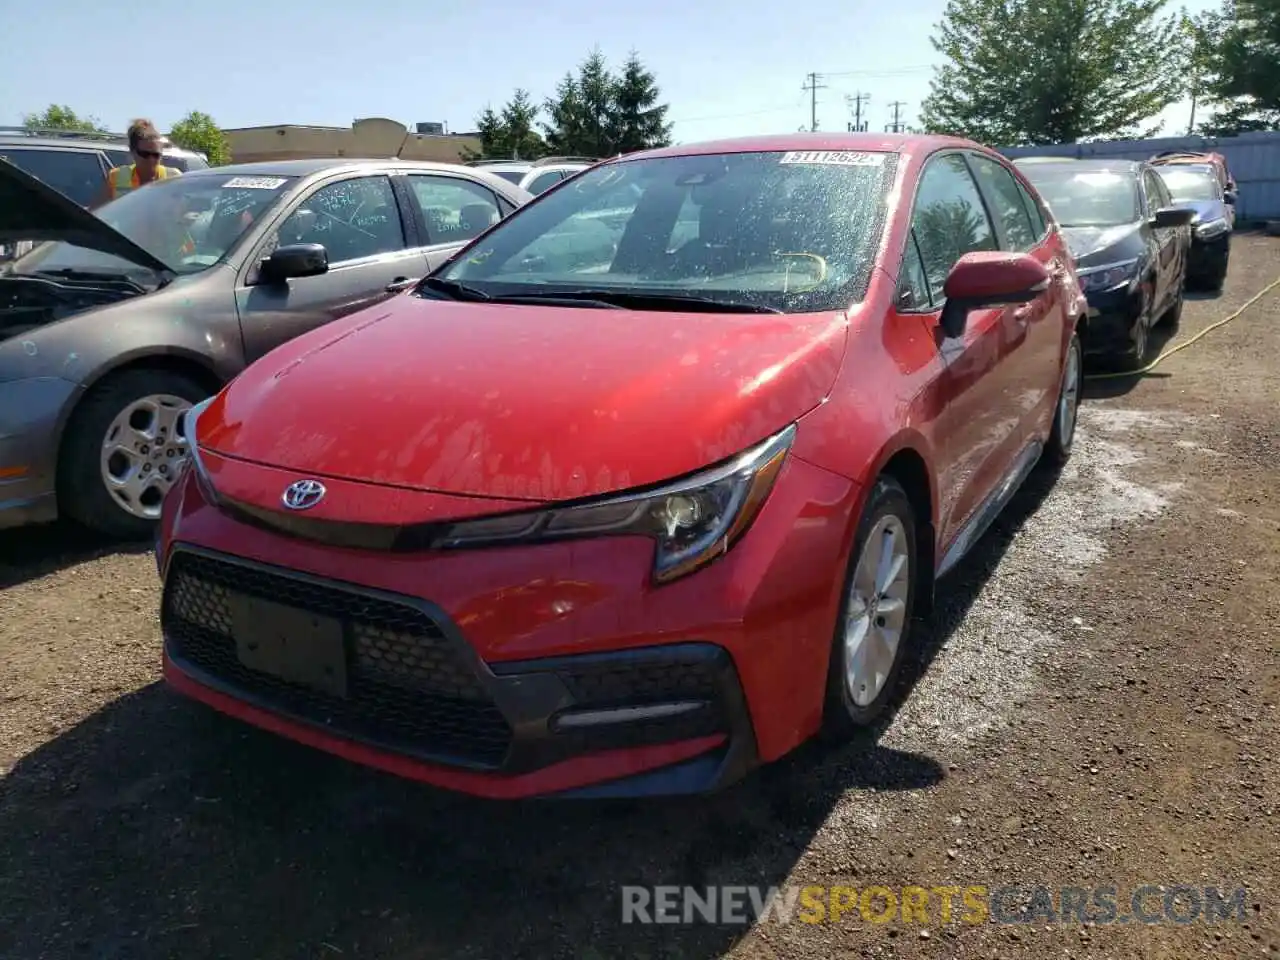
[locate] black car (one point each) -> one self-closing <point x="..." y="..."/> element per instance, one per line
<point x="1197" y="186"/>
<point x="1130" y="241"/>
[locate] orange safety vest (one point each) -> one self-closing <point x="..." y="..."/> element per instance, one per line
<point x="120" y="180"/>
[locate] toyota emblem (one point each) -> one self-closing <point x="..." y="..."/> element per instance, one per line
<point x="302" y="494"/>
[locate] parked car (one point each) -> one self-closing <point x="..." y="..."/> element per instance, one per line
<point x="125" y="318"/>
<point x="1198" y="187"/>
<point x="637" y="521"/>
<point x="1213" y="159"/>
<point x="75" y="164"/>
<point x="1130" y="242"/>
<point x="536" y="176"/>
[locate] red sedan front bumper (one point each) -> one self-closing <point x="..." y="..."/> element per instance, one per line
<point x="555" y="669"/>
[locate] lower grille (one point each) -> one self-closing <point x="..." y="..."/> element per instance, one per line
<point x="408" y="689"/>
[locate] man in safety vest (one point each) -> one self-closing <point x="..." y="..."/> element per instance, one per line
<point x="146" y="144"/>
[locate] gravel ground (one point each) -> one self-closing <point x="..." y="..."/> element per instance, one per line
<point x="1096" y="705"/>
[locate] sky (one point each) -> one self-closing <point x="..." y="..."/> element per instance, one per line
<point x="725" y="68"/>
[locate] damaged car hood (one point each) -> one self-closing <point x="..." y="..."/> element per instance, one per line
<point x="32" y="210"/>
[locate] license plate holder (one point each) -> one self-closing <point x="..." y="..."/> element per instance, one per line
<point x="294" y="645"/>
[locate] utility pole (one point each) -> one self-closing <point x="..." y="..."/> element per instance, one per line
<point x="855" y="104"/>
<point x="813" y="87"/>
<point x="896" y="126"/>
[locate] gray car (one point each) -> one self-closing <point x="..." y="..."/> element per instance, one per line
<point x="125" y="318"/>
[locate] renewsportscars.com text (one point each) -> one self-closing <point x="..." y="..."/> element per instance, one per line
<point x="1148" y="903"/>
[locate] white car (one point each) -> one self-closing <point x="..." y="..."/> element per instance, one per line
<point x="535" y="176"/>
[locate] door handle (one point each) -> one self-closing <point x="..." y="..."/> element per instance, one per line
<point x="400" y="283"/>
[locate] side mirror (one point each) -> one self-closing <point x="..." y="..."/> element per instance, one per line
<point x="294" y="260"/>
<point x="988" y="278"/>
<point x="1173" y="217"/>
<point x="1229" y="197"/>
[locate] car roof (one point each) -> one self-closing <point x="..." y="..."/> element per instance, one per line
<point x="862" y="142"/>
<point x="79" y="143"/>
<point x="313" y="165"/>
<point x="1092" y="164"/>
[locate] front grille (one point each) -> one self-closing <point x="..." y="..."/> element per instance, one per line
<point x="409" y="688"/>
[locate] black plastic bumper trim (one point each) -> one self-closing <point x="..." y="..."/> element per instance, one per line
<point x="528" y="693"/>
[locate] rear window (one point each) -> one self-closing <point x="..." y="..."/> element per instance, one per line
<point x="76" y="173"/>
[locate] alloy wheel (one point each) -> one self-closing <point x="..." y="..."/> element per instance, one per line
<point x="877" y="610"/>
<point x="141" y="452"/>
<point x="1069" y="395"/>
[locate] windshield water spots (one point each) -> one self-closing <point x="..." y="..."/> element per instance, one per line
<point x="791" y="232"/>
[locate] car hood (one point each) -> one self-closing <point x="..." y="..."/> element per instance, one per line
<point x="524" y="402"/>
<point x="1094" y="245"/>
<point x="32" y="210"/>
<point x="1207" y="210"/>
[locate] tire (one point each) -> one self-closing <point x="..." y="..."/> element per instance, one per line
<point x="1136" y="356"/>
<point x="84" y="462"/>
<point x="843" y="715"/>
<point x="1057" y="450"/>
<point x="1173" y="316"/>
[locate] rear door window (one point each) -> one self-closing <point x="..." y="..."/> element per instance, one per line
<point x="1007" y="203"/>
<point x="454" y="209"/>
<point x="1034" y="210"/>
<point x="78" y="174"/>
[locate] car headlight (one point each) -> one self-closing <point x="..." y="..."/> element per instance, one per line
<point x="1108" y="275"/>
<point x="193" y="461"/>
<point x="1212" y="228"/>
<point x="691" y="521"/>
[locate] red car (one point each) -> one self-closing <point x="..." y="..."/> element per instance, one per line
<point x="644" y="487"/>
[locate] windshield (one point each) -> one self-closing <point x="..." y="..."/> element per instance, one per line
<point x="1086" y="198"/>
<point x="787" y="231"/>
<point x="1190" y="184"/>
<point x="188" y="223"/>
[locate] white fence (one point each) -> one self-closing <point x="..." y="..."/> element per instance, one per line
<point x="1253" y="158"/>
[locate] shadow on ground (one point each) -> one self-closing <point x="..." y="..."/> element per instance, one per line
<point x="156" y="828"/>
<point x="1114" y="381"/>
<point x="28" y="553"/>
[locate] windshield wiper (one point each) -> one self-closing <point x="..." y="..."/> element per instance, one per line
<point x="456" y="289"/>
<point x="69" y="273"/>
<point x="640" y="299"/>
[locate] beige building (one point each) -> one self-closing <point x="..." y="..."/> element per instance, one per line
<point x="374" y="137"/>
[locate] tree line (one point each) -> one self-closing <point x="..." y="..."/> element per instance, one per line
<point x="593" y="112"/>
<point x="196" y="131"/>
<point x="1034" y="72"/>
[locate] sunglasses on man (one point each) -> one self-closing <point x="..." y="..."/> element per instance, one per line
<point x="149" y="154"/>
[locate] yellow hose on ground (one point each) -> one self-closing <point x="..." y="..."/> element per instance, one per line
<point x="1186" y="343"/>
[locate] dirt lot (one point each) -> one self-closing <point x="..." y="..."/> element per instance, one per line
<point x="1097" y="705"/>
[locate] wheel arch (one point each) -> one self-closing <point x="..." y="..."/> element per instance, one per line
<point x="177" y="360"/>
<point x="909" y="468"/>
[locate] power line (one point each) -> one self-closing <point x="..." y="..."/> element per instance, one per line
<point x="813" y="87"/>
<point x="891" y="72"/>
<point x="780" y="108"/>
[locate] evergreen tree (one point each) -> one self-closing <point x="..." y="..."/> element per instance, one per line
<point x="1054" y="71"/>
<point x="639" y="120"/>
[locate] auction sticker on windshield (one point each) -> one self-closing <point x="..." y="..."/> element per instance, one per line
<point x="257" y="183"/>
<point x="838" y="158"/>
